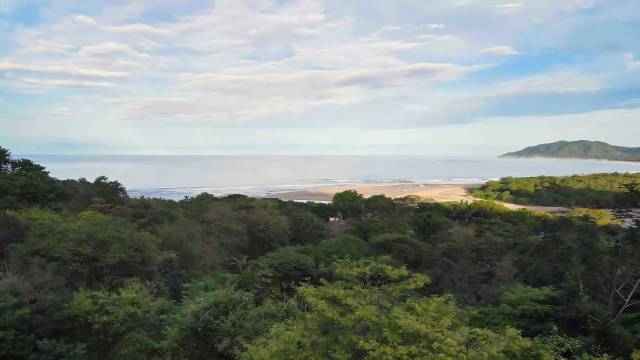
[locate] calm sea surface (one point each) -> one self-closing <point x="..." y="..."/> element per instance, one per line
<point x="177" y="176"/>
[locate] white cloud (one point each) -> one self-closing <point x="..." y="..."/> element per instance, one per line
<point x="581" y="5"/>
<point x="265" y="63"/>
<point x="556" y="82"/>
<point x="110" y="48"/>
<point x="507" y="8"/>
<point x="500" y="50"/>
<point x="223" y="96"/>
<point x="50" y="48"/>
<point x="631" y="62"/>
<point x="64" y="82"/>
<point x="61" y="70"/>
<point x="85" y="20"/>
<point x="138" y="29"/>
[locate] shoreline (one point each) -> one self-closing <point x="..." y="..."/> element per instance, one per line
<point x="435" y="192"/>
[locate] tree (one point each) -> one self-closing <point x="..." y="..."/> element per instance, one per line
<point x="218" y="324"/>
<point x="367" y="313"/>
<point x="266" y="230"/>
<point x="345" y="246"/>
<point x="523" y="307"/>
<point x="27" y="184"/>
<point x="402" y="248"/>
<point x="350" y="203"/>
<point x="280" y="271"/>
<point x="5" y="160"/>
<point x="379" y="205"/>
<point x="306" y="227"/>
<point x="126" y="324"/>
<point x="427" y="224"/>
<point x="89" y="249"/>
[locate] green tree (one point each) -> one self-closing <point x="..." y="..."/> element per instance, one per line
<point x="369" y="313"/>
<point x="306" y="227"/>
<point x="379" y="205"/>
<point x="16" y="339"/>
<point x="27" y="184"/>
<point x="280" y="271"/>
<point x="350" y="203"/>
<point x="266" y="230"/>
<point x="126" y="324"/>
<point x="5" y="160"/>
<point x="523" y="307"/>
<point x="218" y="324"/>
<point x="89" y="249"/>
<point x="345" y="246"/>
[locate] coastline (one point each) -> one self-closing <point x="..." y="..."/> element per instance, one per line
<point x="435" y="192"/>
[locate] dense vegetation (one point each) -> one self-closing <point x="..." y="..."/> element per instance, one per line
<point x="595" y="191"/>
<point x="87" y="272"/>
<point x="582" y="149"/>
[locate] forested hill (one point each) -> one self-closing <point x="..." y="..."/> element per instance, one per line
<point x="582" y="149"/>
<point x="88" y="273"/>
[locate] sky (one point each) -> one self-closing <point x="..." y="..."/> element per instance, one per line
<point x="403" y="77"/>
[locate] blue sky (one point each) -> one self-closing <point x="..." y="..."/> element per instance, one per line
<point x="455" y="77"/>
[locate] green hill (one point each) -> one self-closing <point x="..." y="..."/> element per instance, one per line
<point x="582" y="149"/>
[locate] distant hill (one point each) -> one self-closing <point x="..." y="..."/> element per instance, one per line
<point x="582" y="149"/>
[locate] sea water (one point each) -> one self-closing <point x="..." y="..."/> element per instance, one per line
<point x="174" y="177"/>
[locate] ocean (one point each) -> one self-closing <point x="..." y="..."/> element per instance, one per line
<point x="174" y="177"/>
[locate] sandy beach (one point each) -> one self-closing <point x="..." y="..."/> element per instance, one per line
<point x="433" y="192"/>
<point x="440" y="193"/>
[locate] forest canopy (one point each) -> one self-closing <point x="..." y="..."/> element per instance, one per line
<point x="593" y="191"/>
<point x="90" y="273"/>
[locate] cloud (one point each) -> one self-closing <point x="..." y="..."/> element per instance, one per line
<point x="84" y="20"/>
<point x="507" y="8"/>
<point x="110" y="48"/>
<point x="61" y="70"/>
<point x="50" y="48"/>
<point x="631" y="62"/>
<point x="64" y="82"/>
<point x="138" y="29"/>
<point x="581" y="5"/>
<point x="500" y="50"/>
<point x="129" y="29"/>
<point x="303" y="64"/>
<point x="558" y="82"/>
<point x="243" y="96"/>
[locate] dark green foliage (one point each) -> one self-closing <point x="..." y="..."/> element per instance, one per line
<point x="345" y="246"/>
<point x="12" y="230"/>
<point x="581" y="149"/>
<point x="402" y="248"/>
<point x="266" y="230"/>
<point x="126" y="324"/>
<point x="101" y="194"/>
<point x="86" y="272"/>
<point x="350" y="203"/>
<point x="279" y="272"/>
<point x="372" y="311"/>
<point x="305" y="227"/>
<point x="87" y="249"/>
<point x="596" y="191"/>
<point x="27" y="184"/>
<point x="379" y="205"/>
<point x="16" y="340"/>
<point x="219" y="324"/>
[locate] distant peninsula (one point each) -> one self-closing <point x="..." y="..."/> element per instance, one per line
<point x="582" y="149"/>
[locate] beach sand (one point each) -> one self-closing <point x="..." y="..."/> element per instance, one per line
<point x="440" y="193"/>
<point x="433" y="192"/>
